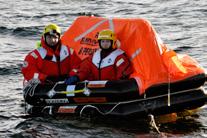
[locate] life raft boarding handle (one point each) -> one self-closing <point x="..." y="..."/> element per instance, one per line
<point x="85" y="90"/>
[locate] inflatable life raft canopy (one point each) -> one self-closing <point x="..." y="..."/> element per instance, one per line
<point x="152" y="61"/>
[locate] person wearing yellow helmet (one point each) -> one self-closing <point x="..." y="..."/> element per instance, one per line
<point x="107" y="39"/>
<point x="50" y="61"/>
<point x="107" y="63"/>
<point x="52" y="29"/>
<point x="51" y="36"/>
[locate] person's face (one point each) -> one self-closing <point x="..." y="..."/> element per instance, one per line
<point x="105" y="44"/>
<point x="52" y="40"/>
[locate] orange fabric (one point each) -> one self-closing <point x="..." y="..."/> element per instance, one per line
<point x="152" y="61"/>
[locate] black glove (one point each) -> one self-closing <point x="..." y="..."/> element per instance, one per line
<point x="72" y="80"/>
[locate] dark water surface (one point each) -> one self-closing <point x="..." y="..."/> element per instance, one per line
<point x="182" y="24"/>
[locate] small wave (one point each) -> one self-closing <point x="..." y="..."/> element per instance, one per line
<point x="45" y="15"/>
<point x="183" y="48"/>
<point x="183" y="38"/>
<point x="26" y="31"/>
<point x="32" y="31"/>
<point x="12" y="69"/>
<point x="4" y="117"/>
<point x="4" y="30"/>
<point x="88" y="14"/>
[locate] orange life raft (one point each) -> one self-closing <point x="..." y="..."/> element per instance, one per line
<point x="162" y="82"/>
<point x="152" y="61"/>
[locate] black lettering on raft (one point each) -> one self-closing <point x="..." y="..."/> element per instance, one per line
<point x="89" y="41"/>
<point x="86" y="51"/>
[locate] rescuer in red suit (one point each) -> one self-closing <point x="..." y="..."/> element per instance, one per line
<point x="51" y="61"/>
<point x="107" y="63"/>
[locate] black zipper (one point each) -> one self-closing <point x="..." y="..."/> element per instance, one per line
<point x="99" y="69"/>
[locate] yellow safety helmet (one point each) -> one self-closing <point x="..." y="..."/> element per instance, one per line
<point x="51" y="29"/>
<point x="107" y="35"/>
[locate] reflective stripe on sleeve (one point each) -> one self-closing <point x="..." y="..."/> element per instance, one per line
<point x="118" y="63"/>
